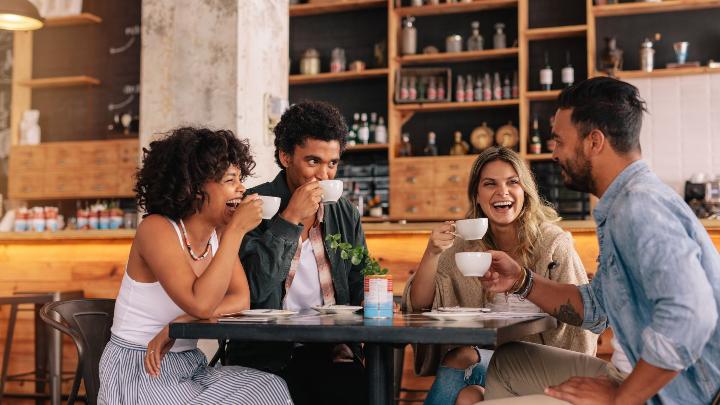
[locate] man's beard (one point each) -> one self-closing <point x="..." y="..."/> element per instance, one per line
<point x="578" y="174"/>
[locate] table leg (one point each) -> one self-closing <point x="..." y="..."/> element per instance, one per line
<point x="379" y="367"/>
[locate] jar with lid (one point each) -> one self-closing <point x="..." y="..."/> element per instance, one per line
<point x="647" y="56"/>
<point x="475" y="42"/>
<point x="409" y="36"/>
<point x="499" y="39"/>
<point x="337" y="60"/>
<point x="453" y="43"/>
<point x="310" y="62"/>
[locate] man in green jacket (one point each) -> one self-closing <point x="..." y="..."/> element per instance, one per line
<point x="290" y="266"/>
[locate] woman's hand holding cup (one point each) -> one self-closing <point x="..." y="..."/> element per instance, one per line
<point x="441" y="238"/>
<point x="248" y="214"/>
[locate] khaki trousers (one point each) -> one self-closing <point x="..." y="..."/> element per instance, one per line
<point x="525" y="369"/>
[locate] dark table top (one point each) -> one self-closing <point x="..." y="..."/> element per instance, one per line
<point x="310" y="326"/>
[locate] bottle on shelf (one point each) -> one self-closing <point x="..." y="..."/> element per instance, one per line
<point x="475" y="42"/>
<point x="404" y="90"/>
<point x="535" y="140"/>
<point x="381" y="131"/>
<point x="497" y="87"/>
<point x="441" y="89"/>
<point x="515" y="87"/>
<point x="469" y="96"/>
<point x="352" y="135"/>
<point x="568" y="72"/>
<point x="364" y="131"/>
<point x="499" y="39"/>
<point x="422" y="88"/>
<point x="546" y="75"/>
<point x="487" y="88"/>
<point x="478" y="93"/>
<point x="405" y="146"/>
<point x="430" y="148"/>
<point x="432" y="89"/>
<point x="412" y="88"/>
<point x="409" y="36"/>
<point x="460" y="89"/>
<point x="373" y="126"/>
<point x="356" y="198"/>
<point x="506" y="89"/>
<point x="460" y="147"/>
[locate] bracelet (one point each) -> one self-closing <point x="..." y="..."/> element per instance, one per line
<point x="517" y="285"/>
<point x="526" y="290"/>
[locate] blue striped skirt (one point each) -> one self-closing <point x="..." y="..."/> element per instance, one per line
<point x="185" y="378"/>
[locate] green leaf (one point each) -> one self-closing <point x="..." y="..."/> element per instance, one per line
<point x="343" y="254"/>
<point x="355" y="260"/>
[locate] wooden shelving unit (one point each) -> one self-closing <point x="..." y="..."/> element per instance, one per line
<point x="64" y="81"/>
<point x="665" y="6"/>
<point x="634" y="74"/>
<point x="453" y="8"/>
<point x="299" y="10"/>
<point x="367" y="147"/>
<point x="336" y="77"/>
<point x="79" y="19"/>
<point x="536" y="34"/>
<point x="456" y="106"/>
<point x="450" y="57"/>
<point x="542" y="95"/>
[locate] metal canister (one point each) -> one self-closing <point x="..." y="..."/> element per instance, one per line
<point x="409" y="36"/>
<point x="647" y="56"/>
<point x="453" y="43"/>
<point x="310" y="62"/>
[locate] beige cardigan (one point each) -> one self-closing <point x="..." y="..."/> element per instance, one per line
<point x="454" y="289"/>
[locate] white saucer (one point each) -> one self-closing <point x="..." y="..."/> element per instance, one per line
<point x="453" y="316"/>
<point x="276" y="313"/>
<point x="462" y="309"/>
<point x="337" y="309"/>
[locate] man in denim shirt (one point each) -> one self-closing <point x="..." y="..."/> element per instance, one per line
<point x="658" y="279"/>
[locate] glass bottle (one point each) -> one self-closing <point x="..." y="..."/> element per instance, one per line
<point x="460" y="89"/>
<point x="460" y="147"/>
<point x="337" y="60"/>
<point x="499" y="39"/>
<point x="364" y="131"/>
<point x="441" y="89"/>
<point x="373" y="126"/>
<point x="535" y="140"/>
<point x="497" y="87"/>
<point x="381" y="131"/>
<point x="412" y="88"/>
<point x="515" y="87"/>
<point x="475" y="42"/>
<point x="432" y="89"/>
<point x="506" y="90"/>
<point x="487" y="87"/>
<point x="430" y="148"/>
<point x="567" y="73"/>
<point x="352" y="136"/>
<point x="546" y="75"/>
<point x="478" y="93"/>
<point x="405" y="146"/>
<point x="409" y="36"/>
<point x="469" y="88"/>
<point x="422" y="88"/>
<point x="404" y="91"/>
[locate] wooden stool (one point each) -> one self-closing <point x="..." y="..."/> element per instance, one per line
<point x="48" y="347"/>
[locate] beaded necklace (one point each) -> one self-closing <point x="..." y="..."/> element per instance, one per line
<point x="189" y="248"/>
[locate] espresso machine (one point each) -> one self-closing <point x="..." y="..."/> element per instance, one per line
<point x="703" y="196"/>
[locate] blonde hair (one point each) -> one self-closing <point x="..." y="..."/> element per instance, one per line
<point x="535" y="210"/>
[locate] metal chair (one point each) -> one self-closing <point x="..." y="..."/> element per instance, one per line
<point x="88" y="323"/>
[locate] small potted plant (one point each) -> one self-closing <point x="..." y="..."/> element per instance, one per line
<point x="378" y="301"/>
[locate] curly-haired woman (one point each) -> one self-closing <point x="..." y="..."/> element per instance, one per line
<point x="501" y="189"/>
<point x="179" y="268"/>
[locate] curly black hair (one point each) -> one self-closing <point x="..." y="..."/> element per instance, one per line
<point x="309" y="119"/>
<point x="176" y="167"/>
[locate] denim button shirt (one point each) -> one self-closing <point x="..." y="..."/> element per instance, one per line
<point x="657" y="285"/>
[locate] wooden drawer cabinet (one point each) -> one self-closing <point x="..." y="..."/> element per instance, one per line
<point x="451" y="204"/>
<point x="26" y="157"/>
<point x="412" y="204"/>
<point x="73" y="170"/>
<point x="452" y="172"/>
<point x="411" y="175"/>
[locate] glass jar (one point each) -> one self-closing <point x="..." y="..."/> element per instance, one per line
<point x="337" y="60"/>
<point x="499" y="39"/>
<point x="310" y="62"/>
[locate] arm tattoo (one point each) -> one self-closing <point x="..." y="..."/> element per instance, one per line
<point x="566" y="313"/>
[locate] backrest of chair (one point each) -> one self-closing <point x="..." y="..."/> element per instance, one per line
<point x="91" y="319"/>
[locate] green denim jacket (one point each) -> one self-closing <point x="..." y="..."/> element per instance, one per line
<point x="268" y="250"/>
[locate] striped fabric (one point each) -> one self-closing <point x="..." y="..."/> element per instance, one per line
<point x="185" y="378"/>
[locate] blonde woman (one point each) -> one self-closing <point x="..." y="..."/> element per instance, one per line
<point x="501" y="189"/>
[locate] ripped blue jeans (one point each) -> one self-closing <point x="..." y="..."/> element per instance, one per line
<point x="449" y="381"/>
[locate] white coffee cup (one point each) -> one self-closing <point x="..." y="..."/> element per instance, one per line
<point x="471" y="229"/>
<point x="473" y="264"/>
<point x="332" y="190"/>
<point x="270" y="206"/>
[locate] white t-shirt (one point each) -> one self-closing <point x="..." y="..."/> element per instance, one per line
<point x="304" y="292"/>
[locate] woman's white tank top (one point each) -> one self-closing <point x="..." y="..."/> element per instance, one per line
<point x="143" y="309"/>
